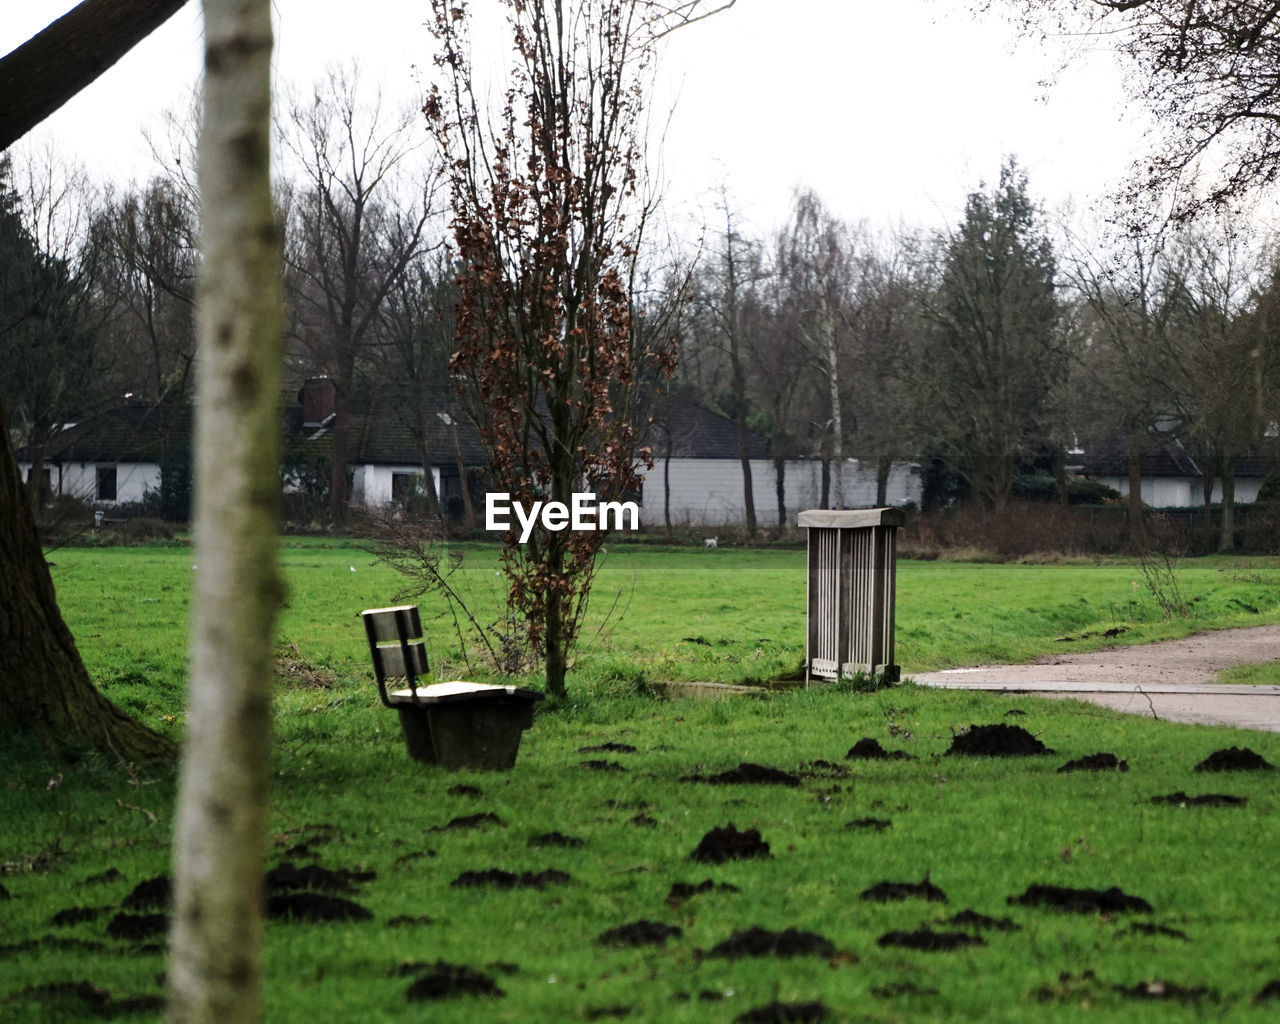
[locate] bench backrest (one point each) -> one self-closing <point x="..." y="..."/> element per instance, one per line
<point x="396" y="645"/>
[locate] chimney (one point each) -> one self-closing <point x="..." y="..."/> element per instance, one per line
<point x="317" y="398"/>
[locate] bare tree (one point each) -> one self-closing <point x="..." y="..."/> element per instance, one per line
<point x="724" y="297"/>
<point x="146" y="241"/>
<point x="220" y="840"/>
<point x="354" y="228"/>
<point x="548" y="211"/>
<point x="1205" y="69"/>
<point x="1122" y="380"/>
<point x="1222" y="355"/>
<point x="815" y="265"/>
<point x="413" y="364"/>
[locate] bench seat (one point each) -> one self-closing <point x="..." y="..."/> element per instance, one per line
<point x="456" y="724"/>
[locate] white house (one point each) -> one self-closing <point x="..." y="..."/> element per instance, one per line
<point x="115" y="457"/>
<point x="697" y="477"/>
<point x="1171" y="476"/>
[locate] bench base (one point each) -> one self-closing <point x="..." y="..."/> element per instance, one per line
<point x="481" y="733"/>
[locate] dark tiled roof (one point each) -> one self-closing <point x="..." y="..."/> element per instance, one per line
<point x="135" y="432"/>
<point x="698" y="433"/>
<point x="380" y="432"/>
<point x="1167" y="456"/>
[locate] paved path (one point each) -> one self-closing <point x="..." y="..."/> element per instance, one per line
<point x="1171" y="680"/>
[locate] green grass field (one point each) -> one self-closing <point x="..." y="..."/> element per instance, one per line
<point x="983" y="830"/>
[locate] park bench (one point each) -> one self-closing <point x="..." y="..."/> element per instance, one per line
<point x="454" y="724"/>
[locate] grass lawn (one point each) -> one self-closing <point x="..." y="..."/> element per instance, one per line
<point x="982" y="830"/>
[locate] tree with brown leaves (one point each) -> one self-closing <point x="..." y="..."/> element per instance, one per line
<point x="549" y="209"/>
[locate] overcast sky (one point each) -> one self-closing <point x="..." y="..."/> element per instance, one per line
<point x="892" y="112"/>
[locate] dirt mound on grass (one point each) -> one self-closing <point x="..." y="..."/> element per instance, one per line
<point x="448" y="981"/>
<point x="681" y="891"/>
<point x="639" y="933"/>
<point x="1235" y="759"/>
<point x="747" y="774"/>
<point x="878" y="824"/>
<point x="314" y="908"/>
<point x="153" y="894"/>
<point x="71" y="998"/>
<point x="972" y="919"/>
<point x="997" y="740"/>
<point x="1268" y="992"/>
<point x="1081" y="901"/>
<point x="785" y="1013"/>
<point x="608" y="748"/>
<point x="110" y="875"/>
<point x="496" y="878"/>
<point x="1146" y="928"/>
<point x="892" y="892"/>
<point x="558" y="839"/>
<point x="77" y="915"/>
<point x="135" y="927"/>
<point x="1180" y="799"/>
<point x="901" y="988"/>
<point x="927" y="940"/>
<point x="287" y="877"/>
<point x="54" y="942"/>
<point x="481" y="820"/>
<point x="1096" y="763"/>
<point x="757" y="941"/>
<point x="869" y="749"/>
<point x="727" y="843"/>
<point x="601" y="766"/>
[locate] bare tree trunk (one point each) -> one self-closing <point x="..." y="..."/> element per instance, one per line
<point x="837" y="420"/>
<point x="884" y="467"/>
<point x="666" y="486"/>
<point x="45" y="690"/>
<point x="1206" y="500"/>
<point x="214" y="974"/>
<point x="429" y="480"/>
<point x="52" y="66"/>
<point x="1227" y="536"/>
<point x="1136" y="533"/>
<point x="35" y="481"/>
<point x="780" y="490"/>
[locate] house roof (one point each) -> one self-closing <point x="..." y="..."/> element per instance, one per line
<point x="1167" y="456"/>
<point x="380" y="432"/>
<point x="133" y="432"/>
<point x="698" y="433"/>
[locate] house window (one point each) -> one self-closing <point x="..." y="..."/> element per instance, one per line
<point x="403" y="486"/>
<point x="106" y="483"/>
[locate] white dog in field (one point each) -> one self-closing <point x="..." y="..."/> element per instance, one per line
<point x="710" y="542"/>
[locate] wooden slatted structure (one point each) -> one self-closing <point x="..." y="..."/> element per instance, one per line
<point x="852" y="585"/>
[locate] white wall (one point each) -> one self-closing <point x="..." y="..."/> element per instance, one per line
<point x="371" y="485"/>
<point x="80" y="480"/>
<point x="708" y="492"/>
<point x="1183" y="491"/>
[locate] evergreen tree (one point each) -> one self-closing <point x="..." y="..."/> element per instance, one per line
<point x="994" y="350"/>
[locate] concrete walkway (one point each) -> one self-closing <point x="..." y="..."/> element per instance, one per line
<point x="1171" y="680"/>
